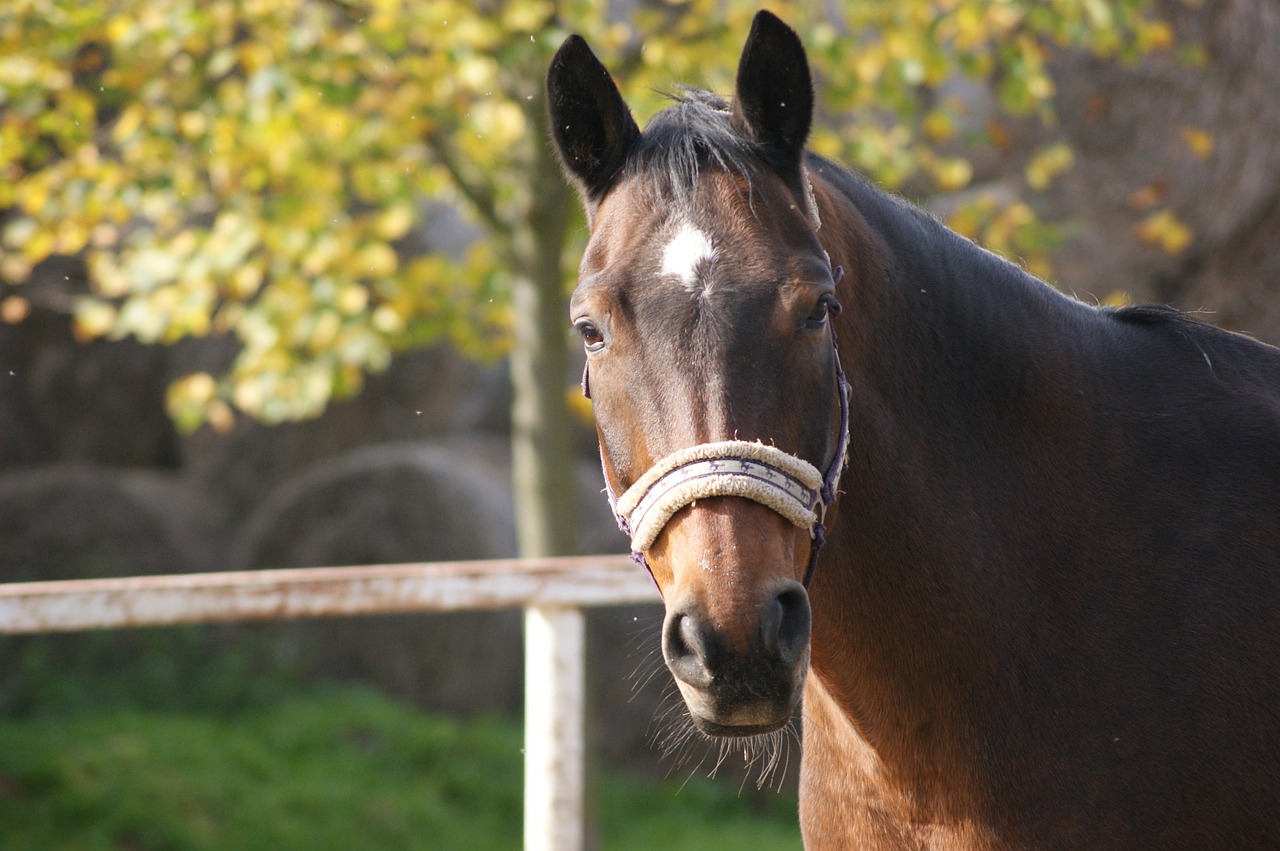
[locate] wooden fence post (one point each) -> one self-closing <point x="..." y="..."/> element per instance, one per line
<point x="553" y="728"/>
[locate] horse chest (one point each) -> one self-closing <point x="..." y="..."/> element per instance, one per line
<point x="849" y="800"/>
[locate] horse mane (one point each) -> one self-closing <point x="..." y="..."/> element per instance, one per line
<point x="1151" y="314"/>
<point x="695" y="133"/>
<point x="691" y="135"/>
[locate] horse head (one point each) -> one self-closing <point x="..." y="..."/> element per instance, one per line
<point x="705" y="302"/>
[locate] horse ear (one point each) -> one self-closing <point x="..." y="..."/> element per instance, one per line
<point x="590" y="123"/>
<point x="774" y="100"/>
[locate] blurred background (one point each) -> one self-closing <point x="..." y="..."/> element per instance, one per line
<point x="282" y="283"/>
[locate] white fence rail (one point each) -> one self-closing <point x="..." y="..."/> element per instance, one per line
<point x="552" y="592"/>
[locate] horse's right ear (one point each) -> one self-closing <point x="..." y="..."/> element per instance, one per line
<point x="590" y="123"/>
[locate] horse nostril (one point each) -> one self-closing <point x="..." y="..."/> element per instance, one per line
<point x="784" y="625"/>
<point x="686" y="648"/>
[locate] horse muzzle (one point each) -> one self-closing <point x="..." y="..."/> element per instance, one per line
<point x="747" y="685"/>
<point x="738" y="656"/>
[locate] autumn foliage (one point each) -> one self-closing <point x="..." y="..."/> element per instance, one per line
<point x="258" y="169"/>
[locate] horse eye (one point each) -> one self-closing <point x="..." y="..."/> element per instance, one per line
<point x="826" y="306"/>
<point x="592" y="338"/>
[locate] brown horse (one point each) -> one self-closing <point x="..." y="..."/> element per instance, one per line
<point x="1048" y="611"/>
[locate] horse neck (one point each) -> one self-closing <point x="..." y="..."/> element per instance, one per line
<point x="935" y="341"/>
<point x="925" y="298"/>
<point x="943" y="334"/>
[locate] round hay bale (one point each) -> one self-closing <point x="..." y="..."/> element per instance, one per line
<point x="445" y="500"/>
<point x="394" y="503"/>
<point x="86" y="522"/>
<point x="387" y="503"/>
<point x="71" y="522"/>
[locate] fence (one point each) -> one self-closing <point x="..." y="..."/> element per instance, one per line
<point x="552" y="593"/>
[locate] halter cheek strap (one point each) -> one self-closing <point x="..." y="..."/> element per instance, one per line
<point x="782" y="482"/>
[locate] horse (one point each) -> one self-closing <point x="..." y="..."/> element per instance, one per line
<point x="1046" y="612"/>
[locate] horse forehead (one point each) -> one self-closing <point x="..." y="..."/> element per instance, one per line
<point x="716" y="219"/>
<point x="689" y="251"/>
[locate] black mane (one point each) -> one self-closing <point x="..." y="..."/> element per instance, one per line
<point x="692" y="135"/>
<point x="1151" y="314"/>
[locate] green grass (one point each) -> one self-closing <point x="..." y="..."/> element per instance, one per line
<point x="333" y="769"/>
<point x="641" y="815"/>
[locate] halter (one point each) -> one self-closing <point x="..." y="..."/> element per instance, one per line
<point x="765" y="474"/>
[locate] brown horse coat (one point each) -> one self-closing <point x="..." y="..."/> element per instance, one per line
<point x="1048" y="614"/>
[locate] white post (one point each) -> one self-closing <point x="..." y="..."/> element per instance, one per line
<point x="553" y="728"/>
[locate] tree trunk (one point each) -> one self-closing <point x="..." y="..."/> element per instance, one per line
<point x="543" y="482"/>
<point x="542" y="460"/>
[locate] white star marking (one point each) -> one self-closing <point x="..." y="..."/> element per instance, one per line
<point x="683" y="255"/>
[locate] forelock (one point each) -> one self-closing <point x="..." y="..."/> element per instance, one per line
<point x="686" y="139"/>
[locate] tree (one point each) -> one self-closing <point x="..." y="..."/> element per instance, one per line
<point x="254" y="169"/>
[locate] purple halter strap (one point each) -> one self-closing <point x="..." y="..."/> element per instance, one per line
<point x="830" y="479"/>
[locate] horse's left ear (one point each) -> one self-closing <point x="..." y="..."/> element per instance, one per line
<point x="774" y="100"/>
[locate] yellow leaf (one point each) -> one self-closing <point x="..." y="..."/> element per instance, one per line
<point x="478" y="73"/>
<point x="501" y="122"/>
<point x="1199" y="141"/>
<point x="1099" y="13"/>
<point x="220" y="63"/>
<point x="324" y="332"/>
<point x="245" y="280"/>
<point x="192" y="124"/>
<point x="254" y="56"/>
<point x="1154" y="35"/>
<point x="93" y="319"/>
<point x="1165" y="230"/>
<point x="869" y="66"/>
<point x="39" y="246"/>
<point x="121" y="29"/>
<point x="352" y="299"/>
<point x="376" y="259"/>
<point x="1047" y="164"/>
<point x="395" y="222"/>
<point x="33" y="194"/>
<point x="938" y="126"/>
<point x="387" y="320"/>
<point x="526" y="16"/>
<point x="72" y="236"/>
<point x="128" y="123"/>
<point x="14" y="267"/>
<point x="952" y="173"/>
<point x="249" y="396"/>
<point x="199" y="388"/>
<point x="108" y="278"/>
<point x="18" y="71"/>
